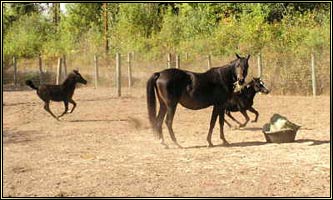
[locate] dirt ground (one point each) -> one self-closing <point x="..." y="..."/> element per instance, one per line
<point x="106" y="148"/>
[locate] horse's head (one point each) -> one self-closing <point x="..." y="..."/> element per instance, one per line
<point x="241" y="65"/>
<point x="259" y="86"/>
<point x="78" y="77"/>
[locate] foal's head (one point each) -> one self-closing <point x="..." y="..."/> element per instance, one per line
<point x="259" y="85"/>
<point x="76" y="77"/>
<point x="241" y="65"/>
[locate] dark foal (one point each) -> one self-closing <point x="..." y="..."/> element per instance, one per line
<point x="194" y="91"/>
<point x="63" y="92"/>
<point x="243" y="101"/>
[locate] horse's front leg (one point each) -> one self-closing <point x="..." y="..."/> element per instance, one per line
<point x="74" y="105"/>
<point x="247" y="118"/>
<point x="66" y="109"/>
<point x="255" y="112"/>
<point x="221" y="120"/>
<point x="211" y="126"/>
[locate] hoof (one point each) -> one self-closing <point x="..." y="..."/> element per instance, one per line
<point x="254" y="121"/>
<point x="165" y="146"/>
<point x="225" y="143"/>
<point x="210" y="145"/>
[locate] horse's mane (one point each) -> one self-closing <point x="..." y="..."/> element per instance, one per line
<point x="233" y="61"/>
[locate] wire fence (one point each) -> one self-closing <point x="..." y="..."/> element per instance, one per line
<point x="284" y="74"/>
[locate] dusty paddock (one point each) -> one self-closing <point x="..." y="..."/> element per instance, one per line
<point x="105" y="148"/>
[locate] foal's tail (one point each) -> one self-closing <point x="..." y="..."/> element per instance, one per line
<point x="151" y="100"/>
<point x="29" y="82"/>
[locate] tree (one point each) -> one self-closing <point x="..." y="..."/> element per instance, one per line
<point x="13" y="11"/>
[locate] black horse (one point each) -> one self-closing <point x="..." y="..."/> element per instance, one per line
<point x="63" y="92"/>
<point x="243" y="101"/>
<point x="194" y="91"/>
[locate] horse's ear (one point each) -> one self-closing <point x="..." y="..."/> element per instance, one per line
<point x="248" y="57"/>
<point x="237" y="56"/>
<point x="76" y="71"/>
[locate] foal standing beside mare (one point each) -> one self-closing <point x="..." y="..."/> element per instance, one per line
<point x="193" y="91"/>
<point x="63" y="92"/>
<point x="243" y="101"/>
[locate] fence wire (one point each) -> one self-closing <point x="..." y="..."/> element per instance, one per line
<point x="284" y="74"/>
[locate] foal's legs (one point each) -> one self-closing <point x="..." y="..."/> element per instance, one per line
<point x="247" y="118"/>
<point x="66" y="109"/>
<point x="47" y="108"/>
<point x="227" y="123"/>
<point x="169" y="119"/>
<point x="74" y="104"/>
<point x="221" y="120"/>
<point x="231" y="117"/>
<point x="211" y="126"/>
<point x="255" y="112"/>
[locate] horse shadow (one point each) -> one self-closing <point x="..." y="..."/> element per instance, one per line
<point x="237" y="144"/>
<point x="314" y="142"/>
<point x="96" y="120"/>
<point x="258" y="143"/>
<point x="248" y="129"/>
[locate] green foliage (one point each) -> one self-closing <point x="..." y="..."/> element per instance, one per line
<point x="285" y="33"/>
<point x="26" y="36"/>
<point x="136" y="24"/>
<point x="81" y="17"/>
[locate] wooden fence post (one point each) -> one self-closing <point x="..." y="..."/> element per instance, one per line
<point x="209" y="61"/>
<point x="259" y="65"/>
<point x="177" y="61"/>
<point x="59" y="71"/>
<point x="96" y="71"/>
<point x="313" y="73"/>
<point x="118" y="74"/>
<point x="133" y="55"/>
<point x="41" y="81"/>
<point x="65" y="65"/>
<point x="129" y="70"/>
<point x="169" y="61"/>
<point x="15" y="70"/>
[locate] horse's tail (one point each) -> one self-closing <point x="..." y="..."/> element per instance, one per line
<point x="151" y="100"/>
<point x="30" y="83"/>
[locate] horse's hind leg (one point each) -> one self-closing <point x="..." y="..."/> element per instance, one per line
<point x="211" y="126"/>
<point x="255" y="112"/>
<point x="227" y="123"/>
<point x="47" y="108"/>
<point x="169" y="119"/>
<point x="159" y="123"/>
<point x="66" y="109"/>
<point x="74" y="105"/>
<point x="231" y="117"/>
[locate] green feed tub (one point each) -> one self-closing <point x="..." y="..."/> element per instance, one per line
<point x="281" y="136"/>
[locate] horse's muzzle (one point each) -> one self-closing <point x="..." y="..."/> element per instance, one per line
<point x="265" y="91"/>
